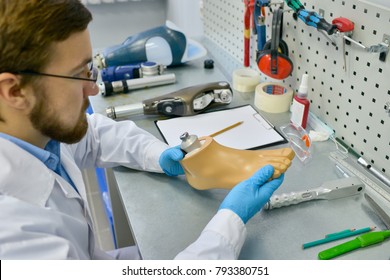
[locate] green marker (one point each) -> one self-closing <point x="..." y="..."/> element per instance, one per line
<point x="361" y="241"/>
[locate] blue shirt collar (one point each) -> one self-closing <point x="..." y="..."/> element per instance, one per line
<point x="50" y="156"/>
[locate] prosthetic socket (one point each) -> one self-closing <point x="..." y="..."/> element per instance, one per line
<point x="209" y="165"/>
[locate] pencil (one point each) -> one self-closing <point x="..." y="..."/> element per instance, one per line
<point x="340" y="232"/>
<point x="226" y="129"/>
<point x="337" y="237"/>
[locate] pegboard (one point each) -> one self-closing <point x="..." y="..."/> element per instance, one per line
<point x="352" y="102"/>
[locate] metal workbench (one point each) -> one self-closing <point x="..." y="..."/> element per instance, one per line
<point x="166" y="214"/>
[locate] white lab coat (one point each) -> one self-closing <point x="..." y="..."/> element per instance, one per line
<point x="43" y="217"/>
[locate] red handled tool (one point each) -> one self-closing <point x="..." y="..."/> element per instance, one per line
<point x="345" y="26"/>
<point x="249" y="4"/>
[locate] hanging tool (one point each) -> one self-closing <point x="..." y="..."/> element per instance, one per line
<point x="249" y="4"/>
<point x="379" y="48"/>
<point x="273" y="60"/>
<point x="346" y="27"/>
<point x="329" y="190"/>
<point x="363" y="240"/>
<point x="259" y="19"/>
<point x="185" y="102"/>
<point x="311" y="18"/>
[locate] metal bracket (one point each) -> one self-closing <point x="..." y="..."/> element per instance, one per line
<point x="385" y="42"/>
<point x="387" y="107"/>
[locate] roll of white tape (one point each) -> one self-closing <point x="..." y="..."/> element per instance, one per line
<point x="245" y="80"/>
<point x="273" y="97"/>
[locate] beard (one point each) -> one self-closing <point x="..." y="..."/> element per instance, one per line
<point x="46" y="121"/>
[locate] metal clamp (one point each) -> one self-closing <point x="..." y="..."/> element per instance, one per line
<point x="387" y="107"/>
<point x="381" y="48"/>
<point x="385" y="42"/>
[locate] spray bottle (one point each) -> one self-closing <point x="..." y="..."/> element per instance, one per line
<point x="300" y="105"/>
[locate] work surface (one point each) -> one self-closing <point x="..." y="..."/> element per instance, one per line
<point x="166" y="214"/>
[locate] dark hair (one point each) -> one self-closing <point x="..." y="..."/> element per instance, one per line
<point x="29" y="28"/>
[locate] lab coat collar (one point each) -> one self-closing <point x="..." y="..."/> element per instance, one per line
<point x="17" y="177"/>
<point x="73" y="171"/>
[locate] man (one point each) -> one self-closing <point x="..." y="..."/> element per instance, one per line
<point x="46" y="139"/>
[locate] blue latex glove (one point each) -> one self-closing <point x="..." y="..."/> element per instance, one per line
<point x="169" y="161"/>
<point x="249" y="196"/>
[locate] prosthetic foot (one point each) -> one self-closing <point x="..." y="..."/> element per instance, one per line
<point x="211" y="165"/>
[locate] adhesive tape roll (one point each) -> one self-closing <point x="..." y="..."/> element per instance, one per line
<point x="273" y="97"/>
<point x="245" y="80"/>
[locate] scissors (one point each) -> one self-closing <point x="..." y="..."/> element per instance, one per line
<point x="363" y="240"/>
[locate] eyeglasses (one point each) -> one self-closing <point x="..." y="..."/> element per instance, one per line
<point x="92" y="74"/>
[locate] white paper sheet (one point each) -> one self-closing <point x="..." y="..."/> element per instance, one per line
<point x="254" y="132"/>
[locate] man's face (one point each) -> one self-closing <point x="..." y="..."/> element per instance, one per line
<point x="59" y="111"/>
<point x="49" y="123"/>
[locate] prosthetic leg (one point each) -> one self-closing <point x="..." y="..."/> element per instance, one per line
<point x="213" y="165"/>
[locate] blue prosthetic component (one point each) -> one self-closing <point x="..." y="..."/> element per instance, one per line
<point x="118" y="73"/>
<point x="133" y="49"/>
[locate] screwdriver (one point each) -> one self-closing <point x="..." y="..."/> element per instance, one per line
<point x="311" y="18"/>
<point x="315" y="20"/>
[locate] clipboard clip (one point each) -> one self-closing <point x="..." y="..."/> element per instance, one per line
<point x="263" y="121"/>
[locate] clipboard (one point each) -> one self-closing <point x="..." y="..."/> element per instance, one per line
<point x="254" y="133"/>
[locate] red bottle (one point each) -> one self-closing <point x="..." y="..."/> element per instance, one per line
<point x="300" y="105"/>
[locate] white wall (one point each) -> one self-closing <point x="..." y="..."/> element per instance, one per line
<point x="384" y="4"/>
<point x="186" y="15"/>
<point x="113" y="23"/>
